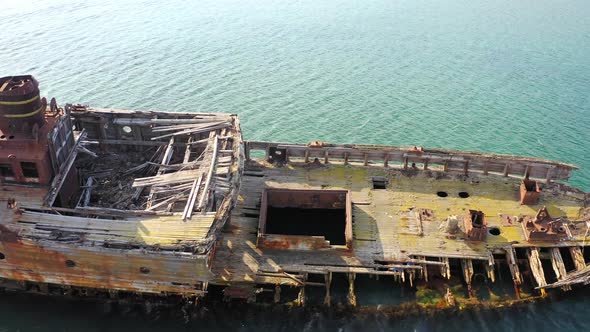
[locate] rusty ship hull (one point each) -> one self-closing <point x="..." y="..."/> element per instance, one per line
<point x="118" y="203"/>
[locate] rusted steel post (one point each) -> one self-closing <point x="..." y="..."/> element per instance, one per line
<point x="102" y="134"/>
<point x="507" y="169"/>
<point x="467" y="266"/>
<point x="548" y="176"/>
<point x="490" y="268"/>
<point x="247" y="151"/>
<point x="514" y="270"/>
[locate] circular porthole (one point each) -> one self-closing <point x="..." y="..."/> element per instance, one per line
<point x="2" y="256"/>
<point x="442" y="194"/>
<point x="70" y="263"/>
<point x="144" y="270"/>
<point x="494" y="231"/>
<point x="463" y="194"/>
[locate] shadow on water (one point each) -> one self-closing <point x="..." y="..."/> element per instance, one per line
<point x="26" y="312"/>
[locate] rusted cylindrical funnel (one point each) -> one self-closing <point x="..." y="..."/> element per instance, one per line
<point x="20" y="105"/>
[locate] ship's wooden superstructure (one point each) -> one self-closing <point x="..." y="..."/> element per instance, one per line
<point x="103" y="201"/>
<point x="135" y="202"/>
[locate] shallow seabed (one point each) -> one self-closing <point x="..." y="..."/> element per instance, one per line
<point x="33" y="313"/>
<point x="500" y="76"/>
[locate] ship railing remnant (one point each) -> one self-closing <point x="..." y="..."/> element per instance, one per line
<point x="416" y="157"/>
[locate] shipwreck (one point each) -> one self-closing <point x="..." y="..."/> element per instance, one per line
<point x="116" y="204"/>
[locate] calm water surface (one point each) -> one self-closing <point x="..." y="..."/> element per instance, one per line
<point x="500" y="76"/>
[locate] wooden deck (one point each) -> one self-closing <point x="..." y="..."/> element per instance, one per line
<point x="386" y="223"/>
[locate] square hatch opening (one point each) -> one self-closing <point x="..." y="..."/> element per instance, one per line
<point x="305" y="219"/>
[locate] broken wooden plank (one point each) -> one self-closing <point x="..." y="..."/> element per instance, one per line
<point x="536" y="266"/>
<point x="190" y="204"/>
<point x="204" y="195"/>
<point x="59" y="179"/>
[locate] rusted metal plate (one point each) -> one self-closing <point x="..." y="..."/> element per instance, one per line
<point x="545" y="228"/>
<point x="476" y="226"/>
<point x="529" y="192"/>
<point x="21" y="107"/>
<point x="275" y="241"/>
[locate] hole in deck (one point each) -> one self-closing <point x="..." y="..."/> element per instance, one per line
<point x="379" y="183"/>
<point x="530" y="185"/>
<point x="70" y="263"/>
<point x="144" y="270"/>
<point x="254" y="174"/>
<point x="2" y="256"/>
<point x="463" y="194"/>
<point x="494" y="231"/>
<point x="476" y="218"/>
<point x="304" y="218"/>
<point x="442" y="194"/>
<point x="329" y="223"/>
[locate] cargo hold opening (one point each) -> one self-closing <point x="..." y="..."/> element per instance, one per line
<point x="305" y="219"/>
<point x="329" y="223"/>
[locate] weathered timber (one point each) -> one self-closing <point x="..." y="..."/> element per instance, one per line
<point x="464" y="161"/>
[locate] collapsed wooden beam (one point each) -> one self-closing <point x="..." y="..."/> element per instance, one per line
<point x="467" y="267"/>
<point x="578" y="258"/>
<point x="190" y="204"/>
<point x="328" y="281"/>
<point x="536" y="266"/>
<point x="558" y="265"/>
<point x="514" y="270"/>
<point x="64" y="170"/>
<point x="351" y="295"/>
<point x="490" y="268"/>
<point x="165" y="160"/>
<point x="205" y="193"/>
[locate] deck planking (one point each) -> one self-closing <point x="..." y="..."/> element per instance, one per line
<point x="385" y="223"/>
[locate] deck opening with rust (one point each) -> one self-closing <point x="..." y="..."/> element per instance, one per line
<point x="304" y="219"/>
<point x="329" y="223"/>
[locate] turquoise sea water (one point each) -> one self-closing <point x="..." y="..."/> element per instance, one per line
<point x="497" y="75"/>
